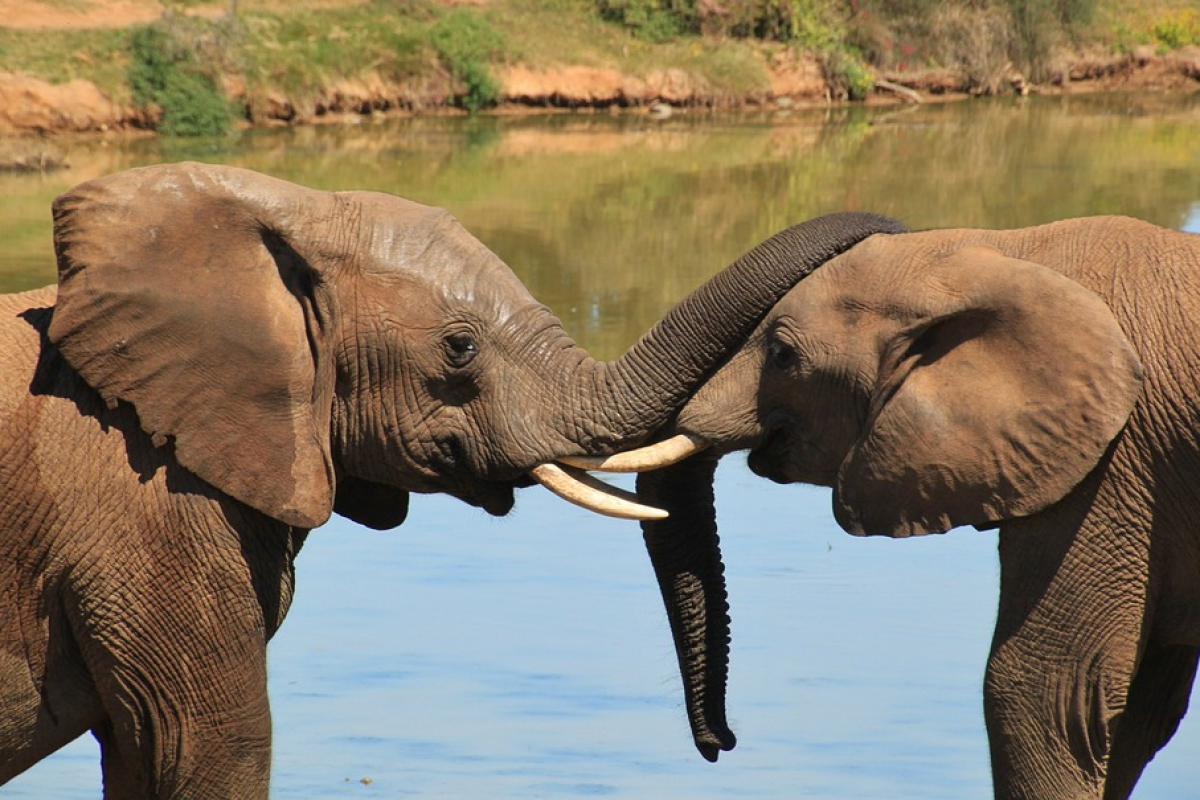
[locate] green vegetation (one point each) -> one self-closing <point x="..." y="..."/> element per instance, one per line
<point x="308" y="57"/>
<point x="1177" y="29"/>
<point x="848" y="77"/>
<point x="58" y="56"/>
<point x="175" y="65"/>
<point x="466" y="43"/>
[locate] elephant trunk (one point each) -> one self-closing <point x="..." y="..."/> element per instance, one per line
<point x="623" y="401"/>
<point x="686" y="554"/>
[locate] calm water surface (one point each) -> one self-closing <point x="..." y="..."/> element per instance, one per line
<point x="461" y="656"/>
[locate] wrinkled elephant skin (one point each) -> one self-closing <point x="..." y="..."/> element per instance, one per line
<point x="228" y="359"/>
<point x="1045" y="381"/>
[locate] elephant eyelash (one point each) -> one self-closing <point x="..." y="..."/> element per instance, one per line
<point x="781" y="355"/>
<point x="461" y="349"/>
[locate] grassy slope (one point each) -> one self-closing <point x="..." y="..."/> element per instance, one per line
<point x="307" y="53"/>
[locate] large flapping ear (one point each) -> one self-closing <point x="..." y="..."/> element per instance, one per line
<point x="197" y="293"/>
<point x="1000" y="396"/>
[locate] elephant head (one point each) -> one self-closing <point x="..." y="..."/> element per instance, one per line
<point x="308" y="351"/>
<point x="931" y="379"/>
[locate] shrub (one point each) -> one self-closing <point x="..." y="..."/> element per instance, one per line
<point x="1041" y="25"/>
<point x="809" y="22"/>
<point x="973" y="35"/>
<point x="465" y="42"/>
<point x="165" y="71"/>
<point x="978" y="41"/>
<point x="652" y="20"/>
<point x="1177" y="29"/>
<point x="848" y="77"/>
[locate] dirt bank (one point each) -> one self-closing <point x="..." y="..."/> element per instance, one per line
<point x="32" y="105"/>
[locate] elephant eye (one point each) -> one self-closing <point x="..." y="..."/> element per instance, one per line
<point x="780" y="355"/>
<point x="461" y="349"/>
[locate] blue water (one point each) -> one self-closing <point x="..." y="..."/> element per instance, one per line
<point x="461" y="656"/>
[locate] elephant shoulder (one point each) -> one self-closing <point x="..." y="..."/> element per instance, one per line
<point x="24" y="319"/>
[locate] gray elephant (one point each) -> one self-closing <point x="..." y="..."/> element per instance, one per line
<point x="227" y="359"/>
<point x="1045" y="381"/>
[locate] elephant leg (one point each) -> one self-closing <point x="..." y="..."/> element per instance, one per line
<point x="186" y="724"/>
<point x="47" y="699"/>
<point x="1158" y="699"/>
<point x="177" y="650"/>
<point x="1069" y="626"/>
<point x="122" y="778"/>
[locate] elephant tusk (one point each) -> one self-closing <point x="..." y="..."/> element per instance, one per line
<point x="643" y="459"/>
<point x="576" y="486"/>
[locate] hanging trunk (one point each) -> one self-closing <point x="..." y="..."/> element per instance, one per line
<point x="628" y="399"/>
<point x="686" y="554"/>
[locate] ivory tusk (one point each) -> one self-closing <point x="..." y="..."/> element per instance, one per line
<point x="576" y="486"/>
<point x="653" y="456"/>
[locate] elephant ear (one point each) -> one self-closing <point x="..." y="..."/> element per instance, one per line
<point x="994" y="404"/>
<point x="197" y="293"/>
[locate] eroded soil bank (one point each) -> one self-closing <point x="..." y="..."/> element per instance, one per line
<point x="32" y="105"/>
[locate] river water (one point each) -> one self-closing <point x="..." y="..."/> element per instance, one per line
<point x="461" y="656"/>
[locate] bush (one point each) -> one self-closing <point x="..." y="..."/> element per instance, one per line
<point x="652" y="20"/>
<point x="1177" y="29"/>
<point x="165" y="71"/>
<point x="465" y="42"/>
<point x="809" y="22"/>
<point x="848" y="77"/>
<point x="1041" y="25"/>
<point x="976" y="36"/>
<point x="978" y="41"/>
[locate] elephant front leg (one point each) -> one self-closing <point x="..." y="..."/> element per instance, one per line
<point x="1068" y="631"/>
<point x="1048" y="730"/>
<point x="176" y="752"/>
<point x="183" y="685"/>
<point x="1158" y="699"/>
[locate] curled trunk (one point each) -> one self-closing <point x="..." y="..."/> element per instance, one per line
<point x="624" y="401"/>
<point x="637" y="393"/>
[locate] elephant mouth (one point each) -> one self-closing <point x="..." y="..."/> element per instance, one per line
<point x="764" y="461"/>
<point x="569" y="478"/>
<point x="785" y="456"/>
<point x="496" y="500"/>
<point x="771" y="457"/>
<point x="494" y="497"/>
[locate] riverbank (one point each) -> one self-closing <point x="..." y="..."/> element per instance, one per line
<point x="308" y="78"/>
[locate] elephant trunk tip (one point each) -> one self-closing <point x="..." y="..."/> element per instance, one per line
<point x="711" y="744"/>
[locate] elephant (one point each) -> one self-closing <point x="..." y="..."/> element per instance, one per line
<point x="226" y="360"/>
<point x="1044" y="381"/>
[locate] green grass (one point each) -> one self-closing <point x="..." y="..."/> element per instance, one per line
<point x="176" y="65"/>
<point x="302" y="51"/>
<point x="100" y="56"/>
<point x="301" y="54"/>
<point x="466" y="43"/>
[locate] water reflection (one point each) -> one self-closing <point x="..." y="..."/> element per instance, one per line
<point x="584" y="208"/>
<point x="461" y="656"/>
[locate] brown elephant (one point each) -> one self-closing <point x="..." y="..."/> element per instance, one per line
<point x="227" y="359"/>
<point x="1045" y="381"/>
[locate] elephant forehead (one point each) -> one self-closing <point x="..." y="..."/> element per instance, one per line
<point x="413" y="242"/>
<point x="889" y="281"/>
<point x="845" y="300"/>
